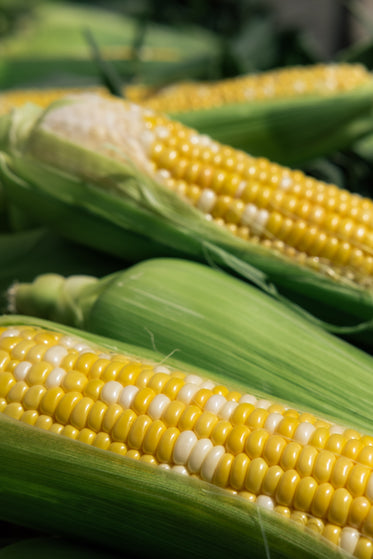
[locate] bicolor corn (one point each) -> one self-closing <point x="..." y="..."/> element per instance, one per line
<point x="302" y="467"/>
<point x="308" y="221"/>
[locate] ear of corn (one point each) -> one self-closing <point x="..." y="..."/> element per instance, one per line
<point x="288" y="115"/>
<point x="87" y="451"/>
<point x="136" y="184"/>
<point x="25" y="254"/>
<point x="214" y="321"/>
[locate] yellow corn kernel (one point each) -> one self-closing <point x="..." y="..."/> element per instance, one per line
<point x="66" y="405"/>
<point x="241" y="414"/>
<point x="359" y="510"/>
<point x="287" y="487"/>
<point x="166" y="444"/>
<point x="271" y="480"/>
<point x="17" y="391"/>
<point x="255" y="475"/>
<point x="34" y="396"/>
<point x="70" y="432"/>
<point x="101" y="440"/>
<point x="7" y="380"/>
<point x="340" y="507"/>
<point x="123" y="425"/>
<point x="205" y="424"/>
<point x="236" y="439"/>
<point x="358" y="479"/>
<point x="90" y="365"/>
<point x="44" y="422"/>
<point x="112" y="414"/>
<point x="342" y="469"/>
<point x="153" y="436"/>
<point x="79" y="415"/>
<point x="138" y="430"/>
<point x="305" y="493"/>
<point x="50" y="400"/>
<point x="273" y="449"/>
<point x="56" y="428"/>
<point x="332" y="533"/>
<point x="74" y="381"/>
<point x="29" y="417"/>
<point x="38" y="373"/>
<point x="257" y="418"/>
<point x="93" y="388"/>
<point x="323" y="466"/>
<point x="189" y="418"/>
<point x="364" y="548"/>
<point x="110" y="371"/>
<point x="306" y="460"/>
<point x="173" y="413"/>
<point x="96" y="414"/>
<point x="238" y="472"/>
<point x="14" y="410"/>
<point x="223" y="470"/>
<point x="118" y="448"/>
<point x="255" y="443"/>
<point x="142" y="400"/>
<point x="86" y="436"/>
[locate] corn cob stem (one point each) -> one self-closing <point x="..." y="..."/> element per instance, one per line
<point x="304" y="468"/>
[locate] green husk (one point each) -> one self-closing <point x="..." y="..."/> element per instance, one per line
<point x="71" y="489"/>
<point x="113" y="207"/>
<point x="289" y="131"/>
<point x="208" y="319"/>
<point x="37" y="52"/>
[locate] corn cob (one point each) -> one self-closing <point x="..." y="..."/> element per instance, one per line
<point x="283" y="83"/>
<point x="288" y="114"/>
<point x="190" y="196"/>
<point x="173" y="304"/>
<point x="51" y="480"/>
<point x="306" y="469"/>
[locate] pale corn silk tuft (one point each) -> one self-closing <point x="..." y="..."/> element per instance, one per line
<point x="311" y="471"/>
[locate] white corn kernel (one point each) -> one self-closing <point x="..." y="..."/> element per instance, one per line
<point x="184" y="446"/>
<point x="21" y="370"/>
<point x="55" y="354"/>
<point x="227" y="409"/>
<point x="55" y="377"/>
<point x="272" y="421"/>
<point x="348" y="539"/>
<point x="127" y="396"/>
<point x="211" y="462"/>
<point x="187" y="392"/>
<point x="158" y="406"/>
<point x="110" y="392"/>
<point x="198" y="454"/>
<point x="265" y="502"/>
<point x="303" y="432"/>
<point x="215" y="403"/>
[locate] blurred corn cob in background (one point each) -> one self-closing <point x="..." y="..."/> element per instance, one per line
<point x="289" y="114"/>
<point x="124" y="413"/>
<point x="131" y="182"/>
